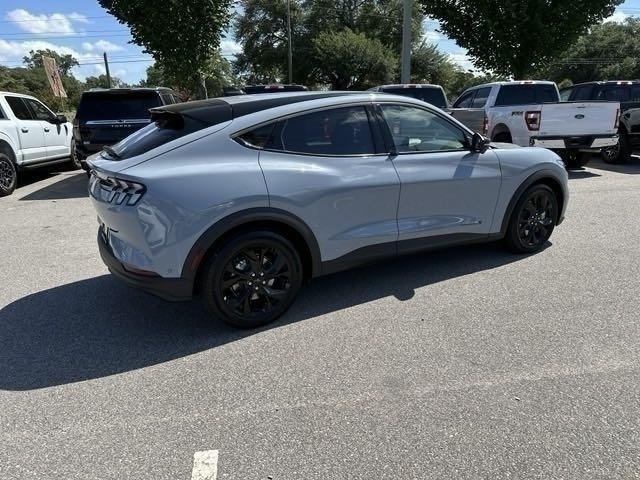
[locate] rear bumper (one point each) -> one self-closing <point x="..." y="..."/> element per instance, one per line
<point x="583" y="143"/>
<point x="171" y="289"/>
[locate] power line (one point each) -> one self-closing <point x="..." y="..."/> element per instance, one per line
<point x="26" y="39"/>
<point x="37" y="35"/>
<point x="66" y="17"/>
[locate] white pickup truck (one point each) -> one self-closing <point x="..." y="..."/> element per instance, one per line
<point x="31" y="135"/>
<point x="529" y="113"/>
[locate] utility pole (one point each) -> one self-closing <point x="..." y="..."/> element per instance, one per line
<point x="106" y="67"/>
<point x="405" y="76"/>
<point x="289" y="35"/>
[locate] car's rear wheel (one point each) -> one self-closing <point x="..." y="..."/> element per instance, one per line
<point x="502" y="137"/>
<point x="252" y="279"/>
<point x="533" y="220"/>
<point x="8" y="176"/>
<point x="74" y="160"/>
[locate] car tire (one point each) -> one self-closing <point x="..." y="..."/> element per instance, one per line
<point x="8" y="175"/>
<point x="252" y="279"/>
<point x="619" y="153"/>
<point x="74" y="160"/>
<point x="532" y="220"/>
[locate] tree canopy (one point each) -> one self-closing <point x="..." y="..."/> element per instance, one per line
<point x="609" y="51"/>
<point x="515" y="37"/>
<point x="182" y="36"/>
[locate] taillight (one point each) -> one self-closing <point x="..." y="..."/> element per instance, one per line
<point x="485" y="126"/>
<point x="116" y="190"/>
<point x="532" y="119"/>
<point x="617" y="122"/>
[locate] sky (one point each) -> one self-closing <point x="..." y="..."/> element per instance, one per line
<point x="85" y="30"/>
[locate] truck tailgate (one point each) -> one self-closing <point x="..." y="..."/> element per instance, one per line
<point x="472" y="118"/>
<point x="578" y="118"/>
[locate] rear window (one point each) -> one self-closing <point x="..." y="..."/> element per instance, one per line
<point x="164" y="130"/>
<point x="434" y="96"/>
<point x="526" y="94"/>
<point x="116" y="105"/>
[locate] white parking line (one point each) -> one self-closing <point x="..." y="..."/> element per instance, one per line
<point x="205" y="465"/>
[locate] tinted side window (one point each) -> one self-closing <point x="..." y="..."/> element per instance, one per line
<point x="341" y="131"/>
<point x="481" y="97"/>
<point x="258" y="137"/>
<point x="617" y="93"/>
<point x="416" y="130"/>
<point x="635" y="93"/>
<point x="39" y="110"/>
<point x="19" y="108"/>
<point x="465" y="100"/>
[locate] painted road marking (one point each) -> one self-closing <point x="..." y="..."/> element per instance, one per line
<point x="205" y="465"/>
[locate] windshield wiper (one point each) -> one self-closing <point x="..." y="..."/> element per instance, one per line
<point x="111" y="151"/>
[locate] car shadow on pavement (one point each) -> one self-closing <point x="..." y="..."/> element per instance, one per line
<point x="632" y="167"/>
<point x="581" y="173"/>
<point x="98" y="327"/>
<point x="70" y="186"/>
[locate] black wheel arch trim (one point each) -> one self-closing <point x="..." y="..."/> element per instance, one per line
<point x="244" y="217"/>
<point x="532" y="179"/>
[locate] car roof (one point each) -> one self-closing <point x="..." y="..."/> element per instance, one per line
<point x="125" y="90"/>
<point x="14" y="94"/>
<point x="607" y="82"/>
<point x="407" y="85"/>
<point x="217" y="110"/>
<point x="513" y="82"/>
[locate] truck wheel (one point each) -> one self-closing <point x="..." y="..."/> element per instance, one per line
<point x="619" y="153"/>
<point x="8" y="176"/>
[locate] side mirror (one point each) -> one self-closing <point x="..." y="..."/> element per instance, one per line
<point x="479" y="143"/>
<point x="60" y="119"/>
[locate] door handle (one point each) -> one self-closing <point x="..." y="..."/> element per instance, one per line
<point x="24" y="130"/>
<point x="46" y="129"/>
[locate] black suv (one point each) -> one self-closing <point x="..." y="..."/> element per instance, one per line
<point x="106" y="116"/>
<point x="627" y="92"/>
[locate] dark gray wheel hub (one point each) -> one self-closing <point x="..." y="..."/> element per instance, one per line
<point x="7" y="174"/>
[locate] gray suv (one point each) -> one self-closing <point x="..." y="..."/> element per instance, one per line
<point x="243" y="199"/>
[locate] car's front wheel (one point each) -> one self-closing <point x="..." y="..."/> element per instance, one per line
<point x="533" y="220"/>
<point x="252" y="279"/>
<point x="8" y="176"/>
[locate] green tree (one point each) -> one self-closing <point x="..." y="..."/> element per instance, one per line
<point x="180" y="35"/>
<point x="64" y="62"/>
<point x="515" y="37"/>
<point x="261" y="29"/>
<point x="608" y="51"/>
<point x="353" y="61"/>
<point x="102" y="82"/>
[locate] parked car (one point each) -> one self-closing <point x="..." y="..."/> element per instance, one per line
<point x="627" y="92"/>
<point x="31" y="136"/>
<point x="272" y="88"/>
<point x="106" y="116"/>
<point x="241" y="200"/>
<point x="529" y="113"/>
<point x="433" y="94"/>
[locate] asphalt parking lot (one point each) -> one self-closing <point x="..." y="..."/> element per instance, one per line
<point x="466" y="363"/>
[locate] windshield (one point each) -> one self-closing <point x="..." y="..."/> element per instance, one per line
<point x="116" y="106"/>
<point x="434" y="96"/>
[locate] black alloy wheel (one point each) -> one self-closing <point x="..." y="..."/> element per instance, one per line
<point x="618" y="153"/>
<point x="74" y="161"/>
<point x="8" y="176"/>
<point x="533" y="219"/>
<point x="253" y="279"/>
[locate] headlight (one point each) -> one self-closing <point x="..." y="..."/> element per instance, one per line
<point x="115" y="190"/>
